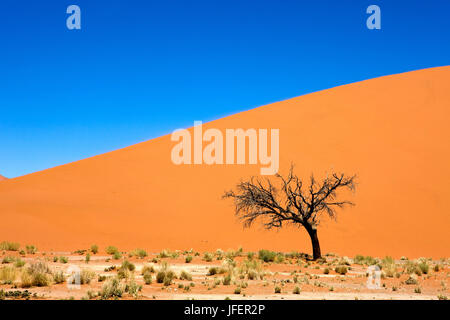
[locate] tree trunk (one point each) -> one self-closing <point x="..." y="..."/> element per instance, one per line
<point x="314" y="241"/>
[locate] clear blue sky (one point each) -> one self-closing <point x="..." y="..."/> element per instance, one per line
<point x="139" y="69"/>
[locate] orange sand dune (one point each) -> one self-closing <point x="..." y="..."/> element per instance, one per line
<point x="2" y="178"/>
<point x="392" y="131"/>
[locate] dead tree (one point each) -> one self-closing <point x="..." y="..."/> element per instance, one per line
<point x="290" y="202"/>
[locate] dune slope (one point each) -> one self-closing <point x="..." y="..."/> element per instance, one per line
<point x="2" y="178"/>
<point x="391" y="131"/>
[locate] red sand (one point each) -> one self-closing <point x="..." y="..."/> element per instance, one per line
<point x="392" y="131"/>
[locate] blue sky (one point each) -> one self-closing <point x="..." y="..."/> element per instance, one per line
<point x="139" y="69"/>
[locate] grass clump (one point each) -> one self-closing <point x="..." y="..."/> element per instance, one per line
<point x="326" y="271"/>
<point x="63" y="259"/>
<point x="188" y="259"/>
<point x="277" y="289"/>
<point x="147" y="269"/>
<point x="116" y="255"/>
<point x="86" y="276"/>
<point x="111" y="250"/>
<point x="208" y="257"/>
<point x="31" y="249"/>
<point x="112" y="288"/>
<point x="226" y="281"/>
<point x="9" y="246"/>
<point x="165" y="275"/>
<point x="59" y="277"/>
<point x="296" y="290"/>
<point x="185" y="276"/>
<point x="8" y="259"/>
<point x="342" y="270"/>
<point x="37" y="274"/>
<point x="147" y="278"/>
<point x="266" y="255"/>
<point x="94" y="249"/>
<point x="8" y="274"/>
<point x="140" y="253"/>
<point x="216" y="270"/>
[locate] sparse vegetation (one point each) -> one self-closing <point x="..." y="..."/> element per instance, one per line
<point x="9" y="246"/>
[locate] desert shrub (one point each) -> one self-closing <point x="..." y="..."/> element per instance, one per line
<point x="140" y="253"/>
<point x="411" y="280"/>
<point x="442" y="297"/>
<point x="40" y="279"/>
<point x="412" y="267"/>
<point x="237" y="290"/>
<point x="147" y="269"/>
<point x="128" y="265"/>
<point x="86" y="276"/>
<point x="389" y="267"/>
<point x="326" y="271"/>
<point x="185" y="276"/>
<point x="367" y="260"/>
<point x="88" y="257"/>
<point x="31" y="249"/>
<point x="226" y="280"/>
<point x="37" y="274"/>
<point x="94" y="249"/>
<point x="101" y="278"/>
<point x="123" y="273"/>
<point x="252" y="275"/>
<point x="63" y="259"/>
<point x="188" y="259"/>
<point x="279" y="258"/>
<point x="436" y="268"/>
<point x="133" y="288"/>
<point x="266" y="255"/>
<point x="208" y="257"/>
<point x="111" y="250"/>
<point x="116" y="255"/>
<point x="341" y="270"/>
<point x="22" y="252"/>
<point x="147" y="278"/>
<point x="8" y="259"/>
<point x="165" y="275"/>
<point x="296" y="290"/>
<point x="58" y="277"/>
<point x="212" y="271"/>
<point x="417" y="290"/>
<point x="55" y="259"/>
<point x="39" y="266"/>
<point x="8" y="274"/>
<point x="424" y="267"/>
<point x="164" y="254"/>
<point x="277" y="289"/>
<point x="110" y="268"/>
<point x="90" y="294"/>
<point x="19" y="263"/>
<point x="112" y="288"/>
<point x="9" y="246"/>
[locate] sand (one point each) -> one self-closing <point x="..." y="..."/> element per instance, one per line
<point x="391" y="131"/>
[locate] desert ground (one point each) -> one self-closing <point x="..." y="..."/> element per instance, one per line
<point x="108" y="273"/>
